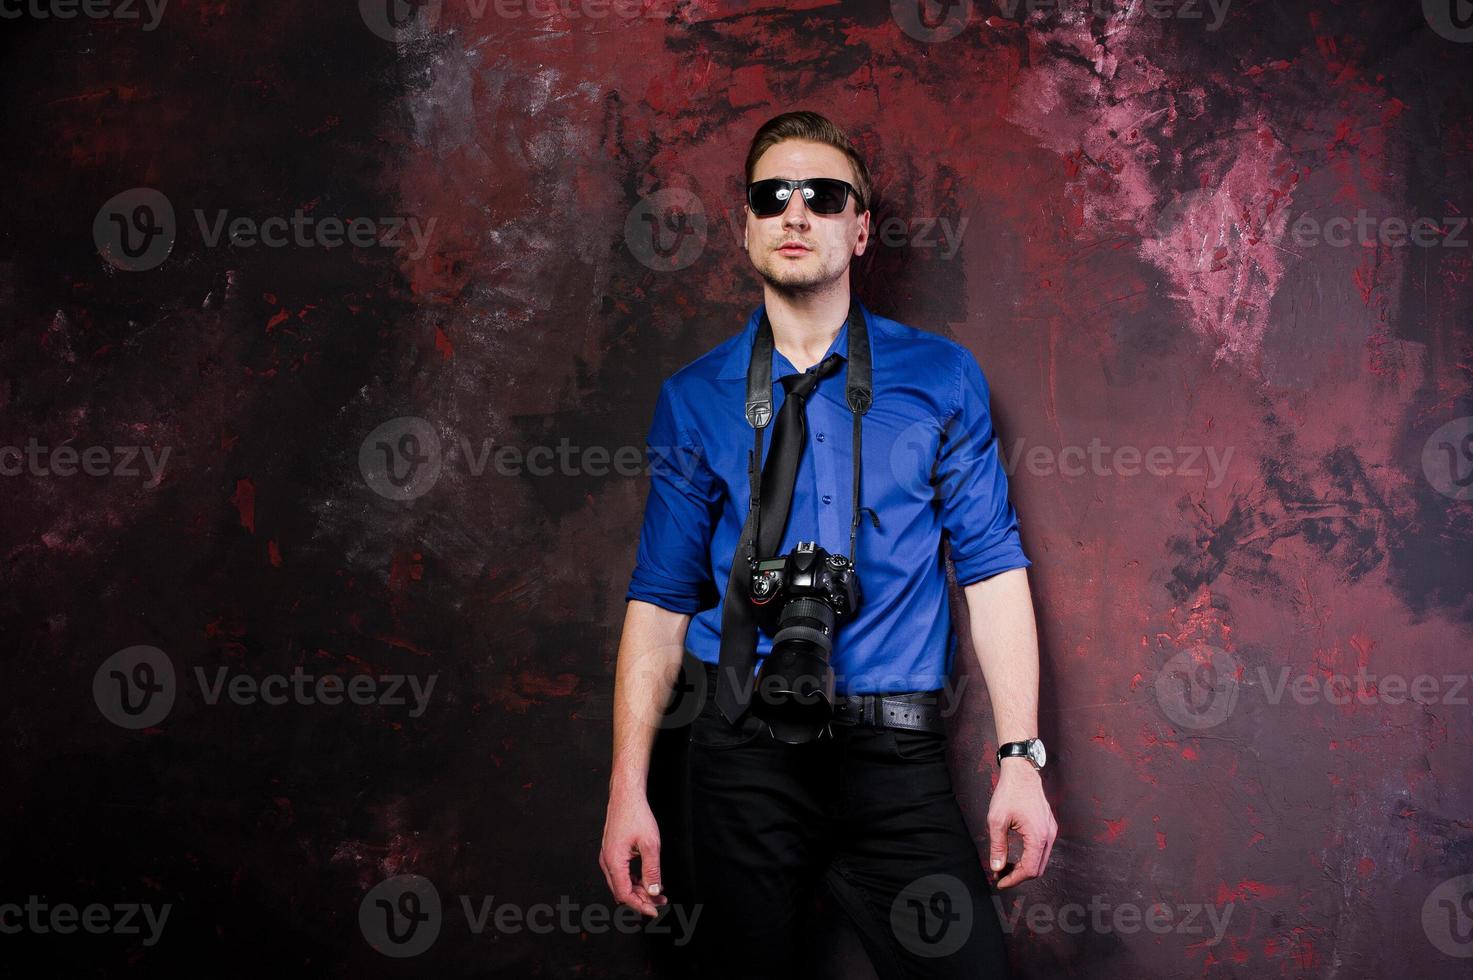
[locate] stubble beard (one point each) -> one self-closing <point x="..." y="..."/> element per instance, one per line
<point x="803" y="285"/>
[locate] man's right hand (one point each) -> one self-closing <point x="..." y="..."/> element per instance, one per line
<point x="630" y="831"/>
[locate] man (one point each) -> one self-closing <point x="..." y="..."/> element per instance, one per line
<point x="866" y="811"/>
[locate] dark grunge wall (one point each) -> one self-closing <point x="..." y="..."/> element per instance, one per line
<point x="294" y="605"/>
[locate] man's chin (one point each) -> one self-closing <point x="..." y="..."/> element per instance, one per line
<point x="794" y="280"/>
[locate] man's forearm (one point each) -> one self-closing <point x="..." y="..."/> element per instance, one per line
<point x="650" y="651"/>
<point x="1005" y="637"/>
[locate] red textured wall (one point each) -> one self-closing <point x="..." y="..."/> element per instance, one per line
<point x="1235" y="399"/>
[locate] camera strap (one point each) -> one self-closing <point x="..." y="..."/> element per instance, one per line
<point x="738" y="622"/>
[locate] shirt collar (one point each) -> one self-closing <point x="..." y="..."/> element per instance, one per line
<point x="741" y="354"/>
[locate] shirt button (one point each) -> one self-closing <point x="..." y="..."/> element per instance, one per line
<point x="827" y="499"/>
<point x="820" y="437"/>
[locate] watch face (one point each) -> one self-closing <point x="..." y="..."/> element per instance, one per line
<point x="1036" y="752"/>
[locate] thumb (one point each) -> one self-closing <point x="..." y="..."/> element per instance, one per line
<point x="649" y="866"/>
<point x="998" y="832"/>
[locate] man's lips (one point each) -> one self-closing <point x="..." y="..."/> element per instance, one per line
<point x="793" y="248"/>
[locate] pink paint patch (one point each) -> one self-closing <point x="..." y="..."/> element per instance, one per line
<point x="1113" y="830"/>
<point x="244" y="500"/>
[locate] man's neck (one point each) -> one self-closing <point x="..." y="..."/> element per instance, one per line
<point x="804" y="325"/>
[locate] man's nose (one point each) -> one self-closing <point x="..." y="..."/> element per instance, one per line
<point x="796" y="213"/>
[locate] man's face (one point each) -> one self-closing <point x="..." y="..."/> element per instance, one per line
<point x="799" y="250"/>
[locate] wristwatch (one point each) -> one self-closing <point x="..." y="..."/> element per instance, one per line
<point x="1030" y="749"/>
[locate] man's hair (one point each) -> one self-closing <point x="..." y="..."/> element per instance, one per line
<point x="811" y="126"/>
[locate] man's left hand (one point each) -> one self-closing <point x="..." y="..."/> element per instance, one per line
<point x="1018" y="804"/>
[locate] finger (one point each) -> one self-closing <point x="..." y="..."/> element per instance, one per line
<point x="997" y="833"/>
<point x="626" y="890"/>
<point x="649" y="865"/>
<point x="1048" y="849"/>
<point x="1027" y="866"/>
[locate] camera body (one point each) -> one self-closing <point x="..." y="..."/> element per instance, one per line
<point x="800" y="599"/>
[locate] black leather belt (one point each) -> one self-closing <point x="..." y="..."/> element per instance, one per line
<point x="918" y="711"/>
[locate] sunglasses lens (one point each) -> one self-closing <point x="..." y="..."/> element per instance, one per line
<point x="768" y="197"/>
<point x="825" y="195"/>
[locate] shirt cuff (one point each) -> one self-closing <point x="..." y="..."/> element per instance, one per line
<point x="667" y="593"/>
<point x="1004" y="556"/>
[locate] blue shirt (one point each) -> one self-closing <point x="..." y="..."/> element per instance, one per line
<point x="918" y="483"/>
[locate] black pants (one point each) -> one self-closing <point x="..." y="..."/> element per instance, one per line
<point x="870" y="817"/>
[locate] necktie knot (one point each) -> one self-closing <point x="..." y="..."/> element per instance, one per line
<point x="803" y="383"/>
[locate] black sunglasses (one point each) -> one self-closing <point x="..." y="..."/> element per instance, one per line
<point x="821" y="195"/>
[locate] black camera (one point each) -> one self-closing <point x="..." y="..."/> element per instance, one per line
<point x="800" y="598"/>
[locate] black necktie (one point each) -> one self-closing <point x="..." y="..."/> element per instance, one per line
<point x="779" y="475"/>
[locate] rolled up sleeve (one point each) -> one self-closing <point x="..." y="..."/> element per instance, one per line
<point x="979" y="519"/>
<point x="672" y="568"/>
